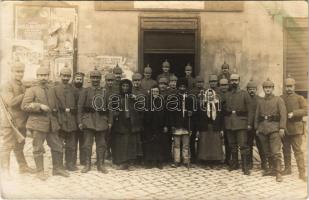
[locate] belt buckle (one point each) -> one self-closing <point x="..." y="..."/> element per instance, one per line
<point x="67" y="109"/>
<point x="266" y="117"/>
<point x="234" y="112"/>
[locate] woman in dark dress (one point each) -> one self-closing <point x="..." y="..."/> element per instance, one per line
<point x="126" y="144"/>
<point x="156" y="132"/>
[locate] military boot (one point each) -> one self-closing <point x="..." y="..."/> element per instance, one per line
<point x="287" y="166"/>
<point x="234" y="162"/>
<point x="23" y="166"/>
<point x="58" y="168"/>
<point x="270" y="170"/>
<point x="69" y="160"/>
<point x="301" y="168"/>
<point x="263" y="163"/>
<point x="245" y="166"/>
<point x="87" y="160"/>
<point x="100" y="163"/>
<point x="39" y="162"/>
<point x="278" y="170"/>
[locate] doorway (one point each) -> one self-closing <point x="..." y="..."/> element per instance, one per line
<point x="171" y="39"/>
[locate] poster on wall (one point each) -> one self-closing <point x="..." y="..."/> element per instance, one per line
<point x="45" y="35"/>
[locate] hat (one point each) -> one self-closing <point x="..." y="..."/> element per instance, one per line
<point x="163" y="80"/>
<point x="166" y="64"/>
<point x="95" y="73"/>
<point x="18" y="66"/>
<point x="224" y="81"/>
<point x="173" y="78"/>
<point x="268" y="83"/>
<point x="225" y="65"/>
<point x="234" y="76"/>
<point x="188" y="67"/>
<point x="182" y="81"/>
<point x="42" y="70"/>
<point x="289" y="81"/>
<point x="109" y="76"/>
<point x="81" y="74"/>
<point x="137" y="76"/>
<point x="199" y="79"/>
<point x="147" y="70"/>
<point x="213" y="77"/>
<point x="66" y="70"/>
<point x="251" y="84"/>
<point x="117" y="70"/>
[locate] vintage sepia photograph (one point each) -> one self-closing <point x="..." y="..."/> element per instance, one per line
<point x="146" y="100"/>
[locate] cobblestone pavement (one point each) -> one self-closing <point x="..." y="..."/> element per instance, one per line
<point x="169" y="183"/>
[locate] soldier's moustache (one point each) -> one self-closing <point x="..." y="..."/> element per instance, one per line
<point x="234" y="85"/>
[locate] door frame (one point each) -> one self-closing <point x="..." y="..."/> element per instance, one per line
<point x="169" y="22"/>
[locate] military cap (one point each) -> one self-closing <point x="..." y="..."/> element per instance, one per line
<point x="268" y="83"/>
<point x="166" y="64"/>
<point x="18" y="66"/>
<point x="109" y="76"/>
<point x="234" y="76"/>
<point x="188" y="67"/>
<point x="251" y="84"/>
<point x="173" y="78"/>
<point x="225" y="65"/>
<point x="213" y="77"/>
<point x="148" y="70"/>
<point x="42" y="70"/>
<point x="182" y="81"/>
<point x="66" y="71"/>
<point x="137" y="76"/>
<point x="289" y="81"/>
<point x="163" y="80"/>
<point x="117" y="70"/>
<point x="199" y="79"/>
<point x="79" y="74"/>
<point x="224" y="81"/>
<point x="95" y="73"/>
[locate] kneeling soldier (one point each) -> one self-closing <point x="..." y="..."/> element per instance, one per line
<point x="93" y="119"/>
<point x="270" y="121"/>
<point x="297" y="108"/>
<point x="41" y="104"/>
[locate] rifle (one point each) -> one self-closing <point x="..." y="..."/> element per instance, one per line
<point x="20" y="138"/>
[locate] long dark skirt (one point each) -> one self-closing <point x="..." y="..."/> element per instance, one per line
<point x="210" y="146"/>
<point x="156" y="146"/>
<point x="125" y="147"/>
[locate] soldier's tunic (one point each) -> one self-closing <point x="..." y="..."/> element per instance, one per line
<point x="270" y="116"/>
<point x="67" y="116"/>
<point x="12" y="94"/>
<point x="44" y="126"/>
<point x="95" y="117"/>
<point x="79" y="133"/>
<point x="295" y="129"/>
<point x="238" y="116"/>
<point x="147" y="84"/>
<point x="210" y="143"/>
<point x="191" y="82"/>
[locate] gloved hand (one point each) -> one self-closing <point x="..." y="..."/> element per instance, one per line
<point x="281" y="133"/>
<point x="44" y="108"/>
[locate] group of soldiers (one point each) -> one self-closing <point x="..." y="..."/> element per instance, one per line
<point x="70" y="118"/>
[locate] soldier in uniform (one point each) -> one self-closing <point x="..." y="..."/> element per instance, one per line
<point x="188" y="73"/>
<point x="166" y="71"/>
<point x="225" y="72"/>
<point x="163" y="86"/>
<point x="238" y="119"/>
<point x="94" y="119"/>
<point x="172" y="85"/>
<point x="213" y="82"/>
<point x="252" y="89"/>
<point x="147" y="82"/>
<point x="296" y="107"/>
<point x="223" y="85"/>
<point x="67" y="112"/>
<point x="41" y="104"/>
<point x="78" y="82"/>
<point x="117" y="71"/>
<point x="270" y="122"/>
<point x="12" y="95"/>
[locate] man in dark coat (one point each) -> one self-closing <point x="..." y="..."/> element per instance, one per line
<point x="78" y="82"/>
<point x="12" y="94"/>
<point x="147" y="82"/>
<point x="190" y="79"/>
<point x="270" y="122"/>
<point x="238" y="119"/>
<point x="94" y="119"/>
<point x="297" y="108"/>
<point x="41" y="104"/>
